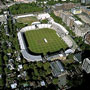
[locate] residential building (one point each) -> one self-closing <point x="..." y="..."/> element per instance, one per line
<point x="65" y="6"/>
<point x="0" y="76"/>
<point x="62" y="82"/>
<point x="3" y="19"/>
<point x="67" y="18"/>
<point x="76" y="11"/>
<point x="70" y="22"/>
<point x="82" y="1"/>
<point x="78" y="57"/>
<point x="85" y="10"/>
<point x="10" y="66"/>
<point x="59" y="71"/>
<point x="64" y="16"/>
<point x="57" y="7"/>
<point x="77" y="26"/>
<point x="20" y="67"/>
<point x="86" y="65"/>
<point x="87" y="38"/>
<point x="85" y="1"/>
<point x="81" y="29"/>
<point x="63" y="0"/>
<point x="57" y="68"/>
<point x="58" y="12"/>
<point x="14" y="85"/>
<point x="6" y="28"/>
<point x="42" y="83"/>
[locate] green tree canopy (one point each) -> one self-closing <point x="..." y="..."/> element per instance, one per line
<point x="5" y="57"/>
<point x="22" y="8"/>
<point x="55" y="81"/>
<point x="26" y="67"/>
<point x="46" y="65"/>
<point x="39" y="64"/>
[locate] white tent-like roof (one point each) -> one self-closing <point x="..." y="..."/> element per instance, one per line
<point x="43" y="16"/>
<point x="13" y="86"/>
<point x="78" y="22"/>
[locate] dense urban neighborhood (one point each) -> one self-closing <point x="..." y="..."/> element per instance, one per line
<point x="44" y="44"/>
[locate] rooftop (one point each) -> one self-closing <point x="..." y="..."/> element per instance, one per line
<point x="78" y="22"/>
<point x="19" y="67"/>
<point x="58" y="4"/>
<point x="78" y="57"/>
<point x="85" y="28"/>
<point x="57" y="68"/>
<point x="88" y="60"/>
<point x="2" y="18"/>
<point x="30" y="57"/>
<point x="87" y="37"/>
<point x="13" y="86"/>
<point x="42" y="83"/>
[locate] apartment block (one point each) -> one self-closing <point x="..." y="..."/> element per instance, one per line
<point x="86" y="65"/>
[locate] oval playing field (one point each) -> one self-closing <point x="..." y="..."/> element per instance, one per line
<point x="44" y="40"/>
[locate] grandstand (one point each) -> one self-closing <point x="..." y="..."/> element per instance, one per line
<point x="24" y="51"/>
<point x="23" y="46"/>
<point x="61" y="32"/>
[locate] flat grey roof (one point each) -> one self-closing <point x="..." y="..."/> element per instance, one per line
<point x="2" y="18"/>
<point x="57" y="68"/>
<point x="53" y="56"/>
<point x="30" y="57"/>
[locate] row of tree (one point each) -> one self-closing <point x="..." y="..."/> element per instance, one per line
<point x="25" y="8"/>
<point x="52" y="2"/>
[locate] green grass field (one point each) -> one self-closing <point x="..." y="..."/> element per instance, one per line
<point x="27" y="20"/>
<point x="36" y="43"/>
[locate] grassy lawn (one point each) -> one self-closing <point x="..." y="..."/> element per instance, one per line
<point x="37" y="44"/>
<point x="27" y="20"/>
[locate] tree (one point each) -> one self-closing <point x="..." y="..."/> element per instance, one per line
<point x="48" y="71"/>
<point x="19" y="25"/>
<point x="24" y="61"/>
<point x="70" y="56"/>
<point x="55" y="81"/>
<point x="32" y="66"/>
<point x="36" y="72"/>
<point x="21" y="8"/>
<point x="46" y="65"/>
<point x="1" y="83"/>
<point x="9" y="50"/>
<point x="42" y="73"/>
<point x="26" y="67"/>
<point x="0" y="59"/>
<point x="44" y="21"/>
<point x="39" y="64"/>
<point x="34" y="77"/>
<point x="5" y="57"/>
<point x="27" y="77"/>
